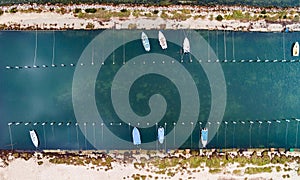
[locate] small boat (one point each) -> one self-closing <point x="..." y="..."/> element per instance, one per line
<point x="296" y="49"/>
<point x="162" y="40"/>
<point x="161" y="135"/>
<point x="145" y="41"/>
<point x="34" y="138"/>
<point x="204" y="137"/>
<point x="136" y="136"/>
<point x="186" y="45"/>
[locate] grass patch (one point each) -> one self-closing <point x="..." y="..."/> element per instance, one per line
<point x="257" y="170"/>
<point x="215" y="171"/>
<point x="237" y="172"/>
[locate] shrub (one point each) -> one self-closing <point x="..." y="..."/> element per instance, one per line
<point x="215" y="171"/>
<point x="257" y="170"/>
<point x="1" y="12"/>
<point x="13" y="10"/>
<point x="40" y="162"/>
<point x="90" y="10"/>
<point x="123" y="10"/>
<point x="90" y="26"/>
<point x="77" y="10"/>
<point x="219" y="18"/>
<point x="155" y="11"/>
<point x="237" y="172"/>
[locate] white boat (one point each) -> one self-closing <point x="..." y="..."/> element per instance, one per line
<point x="186" y="45"/>
<point x="296" y="49"/>
<point x="204" y="137"/>
<point x="34" y="138"/>
<point x="145" y="41"/>
<point x="162" y="40"/>
<point x="136" y="136"/>
<point x="161" y="135"/>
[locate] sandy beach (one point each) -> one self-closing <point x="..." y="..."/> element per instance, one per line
<point x="143" y="166"/>
<point x="237" y="18"/>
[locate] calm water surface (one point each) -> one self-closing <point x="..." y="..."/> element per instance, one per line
<point x="257" y="92"/>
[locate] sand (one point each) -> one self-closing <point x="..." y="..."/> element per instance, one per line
<point x="55" y="20"/>
<point x="20" y="169"/>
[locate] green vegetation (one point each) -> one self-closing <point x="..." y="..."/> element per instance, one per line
<point x="237" y="172"/>
<point x="278" y="168"/>
<point x="102" y="14"/>
<point x="13" y="10"/>
<point x="219" y="18"/>
<point x="1" y="12"/>
<point x="164" y="15"/>
<point x="90" y="26"/>
<point x="215" y="171"/>
<point x="257" y="170"/>
<point x="286" y="176"/>
<point x="279" y="3"/>
<point x="90" y="10"/>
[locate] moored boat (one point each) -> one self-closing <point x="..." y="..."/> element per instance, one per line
<point x="204" y="137"/>
<point x="136" y="136"/>
<point x="296" y="49"/>
<point x="162" y="40"/>
<point x="161" y="135"/>
<point x="34" y="138"/>
<point x="145" y="41"/>
<point x="186" y="45"/>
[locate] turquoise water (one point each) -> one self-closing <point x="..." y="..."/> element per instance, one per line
<point x="256" y="92"/>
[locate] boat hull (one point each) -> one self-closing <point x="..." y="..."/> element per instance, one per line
<point x="161" y="135"/>
<point x="145" y="42"/>
<point x="295" y="51"/>
<point x="204" y="137"/>
<point x="34" y="138"/>
<point x="186" y="45"/>
<point x="136" y="136"/>
<point x="162" y="40"/>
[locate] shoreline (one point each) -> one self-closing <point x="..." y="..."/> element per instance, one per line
<point x="102" y="16"/>
<point x="143" y="164"/>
